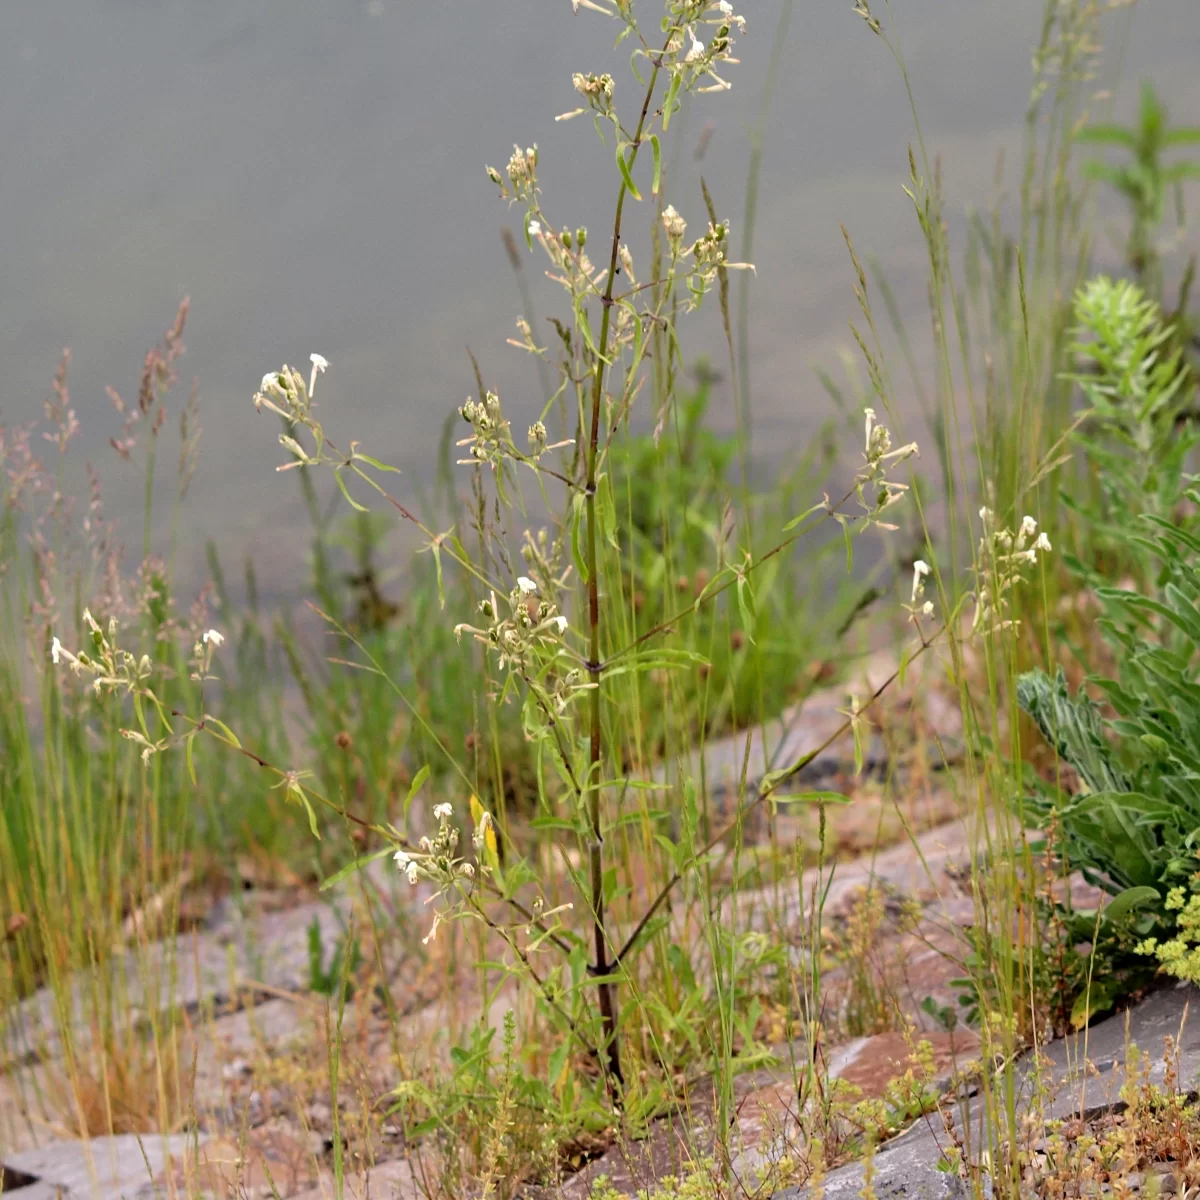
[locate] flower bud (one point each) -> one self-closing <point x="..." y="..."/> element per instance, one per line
<point x="674" y="224"/>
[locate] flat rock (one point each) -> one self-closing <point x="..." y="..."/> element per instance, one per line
<point x="872" y="1064"/>
<point x="1080" y="1073"/>
<point x="276" y="1159"/>
<point x="196" y="971"/>
<point x="111" y="1168"/>
<point x="399" y="1180"/>
<point x="819" y="717"/>
<point x="904" y="1169"/>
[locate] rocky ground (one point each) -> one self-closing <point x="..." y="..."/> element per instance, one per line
<point x="238" y="994"/>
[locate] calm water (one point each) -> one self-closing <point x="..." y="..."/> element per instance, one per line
<point x="310" y="172"/>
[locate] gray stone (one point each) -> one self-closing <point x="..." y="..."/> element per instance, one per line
<point x="1088" y="1069"/>
<point x="107" y="1168"/>
<point x="399" y="1180"/>
<point x="1081" y="1073"/>
<point x="903" y="1169"/>
<point x="196" y="973"/>
<point x="801" y="729"/>
<point x="34" y="1191"/>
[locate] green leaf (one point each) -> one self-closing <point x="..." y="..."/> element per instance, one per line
<point x="808" y="512"/>
<point x="1181" y="171"/>
<point x="189" y="756"/>
<point x="1129" y="900"/>
<point x="357" y="865"/>
<point x="354" y="504"/>
<point x="577" y="509"/>
<point x="211" y="720"/>
<point x="560" y="823"/>
<point x="608" y="510"/>
<point x="1109" y="135"/>
<point x="672" y="96"/>
<point x="436" y="548"/>
<point x="656" y="150"/>
<point x="745" y="599"/>
<point x="1098" y="998"/>
<point x="301" y="798"/>
<point x="661" y="658"/>
<point x="811" y="798"/>
<point x="772" y="779"/>
<point x="374" y="462"/>
<point x="856" y="729"/>
<point x="418" y="782"/>
<point x="624" y="166"/>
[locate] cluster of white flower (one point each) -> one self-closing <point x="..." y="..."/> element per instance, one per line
<point x="110" y="666"/>
<point x="698" y="59"/>
<point x="112" y="669"/>
<point x="1002" y="560"/>
<point x="532" y="622"/>
<point x="285" y="393"/>
<point x="491" y="438"/>
<point x="435" y="859"/>
<point x="876" y="492"/>
<point x="522" y="175"/>
<point x="597" y="90"/>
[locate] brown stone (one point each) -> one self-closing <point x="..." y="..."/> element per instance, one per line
<point x="871" y="1064"/>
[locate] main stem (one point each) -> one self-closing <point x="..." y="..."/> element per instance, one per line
<point x="610" y="1051"/>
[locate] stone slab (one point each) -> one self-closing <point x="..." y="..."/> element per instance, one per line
<point x="110" y="1168"/>
<point x="805" y="726"/>
<point x="193" y="972"/>
<point x="1083" y="1072"/>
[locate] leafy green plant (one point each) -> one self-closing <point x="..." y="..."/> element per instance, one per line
<point x="1146" y="181"/>
<point x="343" y="964"/>
<point x="1130" y="826"/>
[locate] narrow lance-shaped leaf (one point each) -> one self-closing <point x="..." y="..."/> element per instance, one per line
<point x="623" y="164"/>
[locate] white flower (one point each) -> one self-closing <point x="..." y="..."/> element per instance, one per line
<point x="411" y="872"/>
<point x="56" y="648"/>
<point x="319" y="363"/>
<point x="91" y="621"/>
<point x="535" y="227"/>
<point x="697" y="50"/>
<point x="927" y="608"/>
<point x="920" y="570"/>
<point x="443" y="812"/>
<point x="480" y="834"/>
<point x="725" y="7"/>
<point x="673" y="223"/>
<point x="1042" y="543"/>
<point x="985" y="515"/>
<point x="1028" y="527"/>
<point x="527" y="586"/>
<point x="214" y="637"/>
<point x="561" y="622"/>
<point x="403" y="858"/>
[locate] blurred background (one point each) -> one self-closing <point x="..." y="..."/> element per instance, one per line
<point x="311" y="174"/>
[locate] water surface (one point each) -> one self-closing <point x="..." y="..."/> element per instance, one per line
<point x="310" y="172"/>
